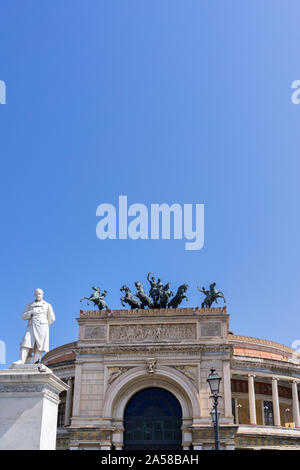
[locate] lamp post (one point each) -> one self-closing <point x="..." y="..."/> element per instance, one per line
<point x="214" y="384"/>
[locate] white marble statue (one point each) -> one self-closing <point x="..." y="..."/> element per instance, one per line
<point x="39" y="315"/>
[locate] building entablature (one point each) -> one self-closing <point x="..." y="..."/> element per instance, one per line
<point x="163" y="326"/>
<point x="166" y="353"/>
<point x="265" y="368"/>
<point x="64" y="372"/>
<point x="244" y="429"/>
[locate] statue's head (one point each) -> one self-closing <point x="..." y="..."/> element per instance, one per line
<point x="38" y="294"/>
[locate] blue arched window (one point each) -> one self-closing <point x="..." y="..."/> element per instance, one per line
<point x="152" y="420"/>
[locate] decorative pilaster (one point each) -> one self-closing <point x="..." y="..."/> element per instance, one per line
<point x="77" y="390"/>
<point x="118" y="438"/>
<point x="296" y="416"/>
<point x="252" y="405"/>
<point x="187" y="438"/>
<point x="227" y="390"/>
<point x="275" y="398"/>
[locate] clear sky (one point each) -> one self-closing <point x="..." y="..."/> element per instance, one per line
<point x="163" y="101"/>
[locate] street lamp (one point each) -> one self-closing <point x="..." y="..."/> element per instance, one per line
<point x="213" y="415"/>
<point x="214" y="384"/>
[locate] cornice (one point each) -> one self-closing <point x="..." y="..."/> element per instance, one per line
<point x="61" y="364"/>
<point x="58" y="368"/>
<point x="271" y="364"/>
<point x="148" y="312"/>
<point x="28" y="388"/>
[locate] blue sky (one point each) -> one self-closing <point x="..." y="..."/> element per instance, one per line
<point x="162" y="101"/>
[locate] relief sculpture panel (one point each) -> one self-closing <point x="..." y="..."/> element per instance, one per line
<point x="95" y="332"/>
<point x="159" y="332"/>
<point x="211" y="329"/>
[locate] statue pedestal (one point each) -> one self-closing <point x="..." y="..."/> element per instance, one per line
<point x="29" y="398"/>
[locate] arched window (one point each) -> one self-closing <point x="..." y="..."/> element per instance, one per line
<point x="152" y="420"/>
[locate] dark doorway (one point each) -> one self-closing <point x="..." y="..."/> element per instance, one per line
<point x="152" y="420"/>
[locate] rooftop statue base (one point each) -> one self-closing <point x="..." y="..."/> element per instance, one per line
<point x="29" y="397"/>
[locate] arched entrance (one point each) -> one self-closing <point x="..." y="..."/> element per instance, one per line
<point x="152" y="420"/>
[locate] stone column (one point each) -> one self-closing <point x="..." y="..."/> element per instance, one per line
<point x="275" y="399"/>
<point x="296" y="416"/>
<point x="69" y="402"/>
<point x="251" y="392"/>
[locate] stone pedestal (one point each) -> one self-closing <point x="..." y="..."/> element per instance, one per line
<point x="29" y="398"/>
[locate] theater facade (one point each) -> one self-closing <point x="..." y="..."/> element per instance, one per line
<point x="138" y="380"/>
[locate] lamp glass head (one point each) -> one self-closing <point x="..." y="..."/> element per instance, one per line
<point x="214" y="381"/>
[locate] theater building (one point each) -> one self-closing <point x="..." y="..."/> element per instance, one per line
<point x="138" y="380"/>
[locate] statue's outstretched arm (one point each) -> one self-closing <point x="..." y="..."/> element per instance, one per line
<point x="202" y="290"/>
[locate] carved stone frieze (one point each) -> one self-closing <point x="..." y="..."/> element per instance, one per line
<point x="153" y="332"/>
